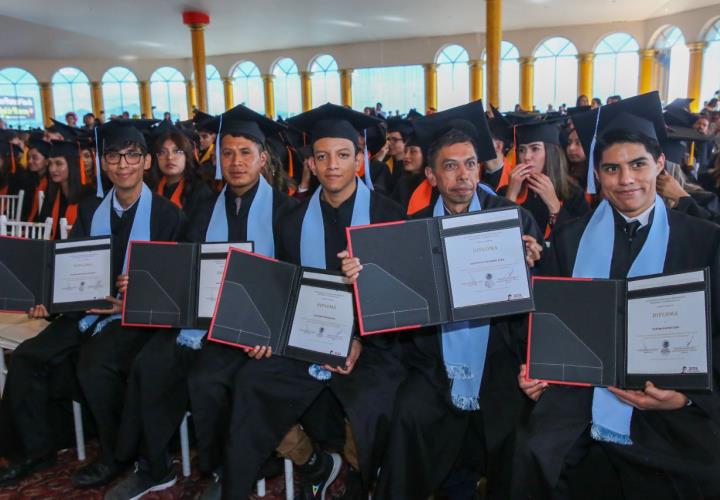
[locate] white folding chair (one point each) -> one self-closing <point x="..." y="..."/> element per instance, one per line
<point x="289" y="484"/>
<point x="65" y="228"/>
<point x="41" y="200"/>
<point x="11" y="205"/>
<point x="29" y="230"/>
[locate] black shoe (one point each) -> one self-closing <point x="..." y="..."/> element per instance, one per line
<point x="98" y="473"/>
<point x="315" y="487"/>
<point x="15" y="471"/>
<point x="138" y="483"/>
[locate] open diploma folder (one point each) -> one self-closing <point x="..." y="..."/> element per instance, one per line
<point x="302" y="313"/>
<point x="174" y="284"/>
<point x="64" y="276"/>
<point x="621" y="333"/>
<point x="434" y="271"/>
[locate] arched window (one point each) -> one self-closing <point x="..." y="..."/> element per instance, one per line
<point x="616" y="67"/>
<point x="120" y="92"/>
<point x="20" y="104"/>
<point x="168" y="93"/>
<point x="325" y="80"/>
<point x="509" y="76"/>
<point x="674" y="61"/>
<point x="711" y="64"/>
<point x="215" y="94"/>
<point x="556" y="68"/>
<point x="71" y="92"/>
<point x="453" y="77"/>
<point x="288" y="101"/>
<point x="248" y="86"/>
<point x="398" y="88"/>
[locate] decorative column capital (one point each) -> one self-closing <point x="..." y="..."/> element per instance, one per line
<point x="346" y="72"/>
<point x="306" y="74"/>
<point x="195" y="20"/>
<point x="527" y="60"/>
<point x="430" y="66"/>
<point x="587" y="57"/>
<point x="45" y="85"/>
<point x="696" y="46"/>
<point x="647" y="53"/>
<point x="269" y="77"/>
<point x="476" y="63"/>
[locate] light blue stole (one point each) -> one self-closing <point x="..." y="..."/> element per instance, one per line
<point x="464" y="344"/>
<point x="100" y="226"/>
<point x="611" y="417"/>
<point x="259" y="231"/>
<point x="312" y="241"/>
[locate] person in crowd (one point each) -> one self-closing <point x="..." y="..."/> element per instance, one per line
<point x="71" y="119"/>
<point x="595" y="103"/>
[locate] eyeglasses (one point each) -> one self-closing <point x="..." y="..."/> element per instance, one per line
<point x="172" y="152"/>
<point x="131" y="157"/>
<point x="394" y="140"/>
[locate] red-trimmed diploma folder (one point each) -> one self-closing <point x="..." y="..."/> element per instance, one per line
<point x="433" y="271"/>
<point x="302" y="313"/>
<point x="622" y="333"/>
<point x="174" y="285"/>
<point x="64" y="276"/>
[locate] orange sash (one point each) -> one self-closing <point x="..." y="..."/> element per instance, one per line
<point x="420" y="198"/>
<point x="208" y="154"/>
<point x="70" y="214"/>
<point x="175" y="198"/>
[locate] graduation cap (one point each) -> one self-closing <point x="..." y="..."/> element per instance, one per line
<point x="577" y="110"/>
<point x="8" y="149"/>
<point x="469" y="119"/>
<point x="675" y="146"/>
<point x="42" y="146"/>
<point x="376" y="137"/>
<point x="521" y="117"/>
<point x="413" y="114"/>
<point x="200" y="119"/>
<point x="680" y="103"/>
<point x="69" y="133"/>
<point x="240" y="121"/>
<point x="66" y="149"/>
<point x="680" y="117"/>
<point x="640" y="114"/>
<point x="539" y="131"/>
<point x="401" y="125"/>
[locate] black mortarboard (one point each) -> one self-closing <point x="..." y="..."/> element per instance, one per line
<point x="66" y="149"/>
<point x="680" y="103"/>
<point x="413" y="114"/>
<point x="639" y="114"/>
<point x="69" y="133"/>
<point x="43" y="147"/>
<point x="680" y="117"/>
<point x="376" y="137"/>
<point x="500" y="127"/>
<point x="121" y="132"/>
<point x="469" y="119"/>
<point x="397" y="124"/>
<point x="330" y="120"/>
<point x="675" y="146"/>
<point x="539" y="131"/>
<point x="577" y="110"/>
<point x="521" y="117"/>
<point x="200" y="119"/>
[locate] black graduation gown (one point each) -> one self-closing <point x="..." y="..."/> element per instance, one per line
<point x="381" y="178"/>
<point x="192" y="198"/>
<point x="492" y="179"/>
<point x="701" y="204"/>
<point x="157" y="396"/>
<point x="676" y="454"/>
<point x="41" y="376"/>
<point x="573" y="207"/>
<point x="26" y="181"/>
<point x="429" y="437"/>
<point x="271" y="395"/>
<point x="405" y="187"/>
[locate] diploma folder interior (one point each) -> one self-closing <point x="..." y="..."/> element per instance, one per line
<point x="433" y="271"/>
<point x="302" y="313"/>
<point x="64" y="276"/>
<point x="622" y="333"/>
<point x="174" y="285"/>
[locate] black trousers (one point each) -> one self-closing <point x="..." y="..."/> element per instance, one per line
<point x="210" y="382"/>
<point x="156" y="400"/>
<point x="271" y="395"/>
<point x="35" y="411"/>
<point x="103" y="367"/>
<point x="429" y="439"/>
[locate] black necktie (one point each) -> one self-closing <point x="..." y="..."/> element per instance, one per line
<point x="631" y="228"/>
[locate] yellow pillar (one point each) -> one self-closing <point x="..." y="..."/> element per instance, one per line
<point x="493" y="39"/>
<point x="476" y="80"/>
<point x="46" y="101"/>
<point x="306" y="90"/>
<point x="228" y="91"/>
<point x="269" y="96"/>
<point x="97" y="99"/>
<point x="697" y="50"/>
<point x="585" y="74"/>
<point x="646" y="82"/>
<point x="346" y="87"/>
<point x="197" y="21"/>
<point x="191" y="97"/>
<point x="430" y="86"/>
<point x="145" y="99"/>
<point x="527" y="76"/>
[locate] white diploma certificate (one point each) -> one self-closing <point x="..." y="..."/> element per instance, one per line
<point x="323" y="321"/>
<point x="81" y="275"/>
<point x="487" y="267"/>
<point x="667" y="334"/>
<point x="211" y="274"/>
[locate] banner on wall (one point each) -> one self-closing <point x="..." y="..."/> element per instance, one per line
<point x="17" y="108"/>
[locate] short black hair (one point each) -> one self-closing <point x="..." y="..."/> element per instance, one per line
<point x="115" y="148"/>
<point x="452" y="136"/>
<point x="261" y="146"/>
<point x="619" y="136"/>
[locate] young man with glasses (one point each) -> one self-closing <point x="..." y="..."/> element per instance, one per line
<point x="40" y="385"/>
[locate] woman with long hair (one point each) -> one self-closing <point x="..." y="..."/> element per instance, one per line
<point x="174" y="174"/>
<point x="66" y="187"/>
<point x="540" y="181"/>
<point x="38" y="160"/>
